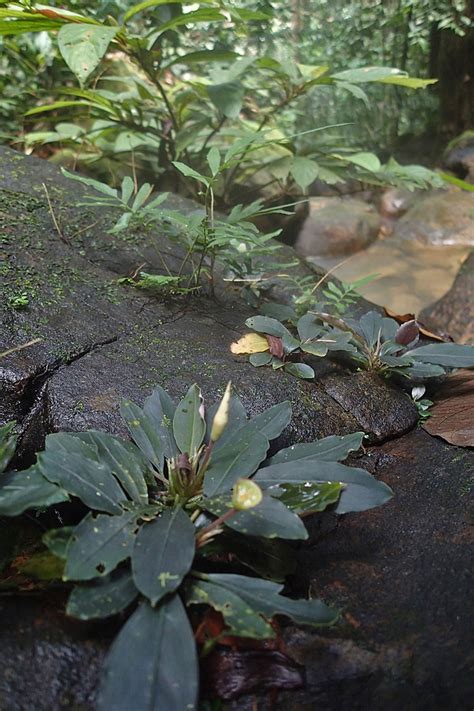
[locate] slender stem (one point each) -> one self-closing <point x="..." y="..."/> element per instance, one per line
<point x="203" y="535"/>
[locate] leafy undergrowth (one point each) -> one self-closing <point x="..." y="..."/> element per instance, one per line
<point x="190" y="528"/>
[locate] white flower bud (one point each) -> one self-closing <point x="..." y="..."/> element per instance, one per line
<point x="221" y="418"/>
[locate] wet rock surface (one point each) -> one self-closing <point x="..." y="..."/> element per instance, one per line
<point x="440" y="218"/>
<point x="101" y="342"/>
<point x="454" y="313"/>
<point x="337" y="227"/>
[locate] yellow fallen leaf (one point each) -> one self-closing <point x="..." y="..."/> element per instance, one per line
<point x="250" y="343"/>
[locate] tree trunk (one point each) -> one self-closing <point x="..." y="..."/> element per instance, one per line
<point x="452" y="62"/>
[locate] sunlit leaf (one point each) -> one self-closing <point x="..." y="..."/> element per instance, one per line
<point x="83" y="47"/>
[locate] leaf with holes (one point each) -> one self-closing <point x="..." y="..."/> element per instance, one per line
<point x="83" y="46"/>
<point x="98" y="545"/>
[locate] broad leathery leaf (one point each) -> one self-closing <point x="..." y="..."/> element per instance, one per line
<point x="317" y="348"/>
<point x="264" y="597"/>
<point x="269" y="519"/>
<point x="239" y="458"/>
<point x="420" y="371"/>
<point x="227" y="97"/>
<point x="259" y="359"/>
<point x="214" y="160"/>
<point x="273" y="421"/>
<point x="265" y="324"/>
<point x="189" y="426"/>
<point x="300" y="370"/>
<point x="450" y="355"/>
<point x="28" y="489"/>
<point x="92" y="482"/>
<point x="125" y="461"/>
<point x="307" y="498"/>
<point x="83" y="47"/>
<point x="163" y="554"/>
<point x="239" y="618"/>
<point x="329" y="449"/>
<point x="7" y="444"/>
<point x="144" y="433"/>
<point x="250" y="343"/>
<point x="99" y="544"/>
<point x="237" y="420"/>
<point x="362" y="492"/>
<point x="160" y="409"/>
<point x="304" y="171"/>
<point x="308" y="328"/>
<point x="103" y="598"/>
<point x="153" y="662"/>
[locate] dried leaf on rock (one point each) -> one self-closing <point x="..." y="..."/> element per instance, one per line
<point x="404" y="318"/>
<point x="451" y="416"/>
<point x="250" y="343"/>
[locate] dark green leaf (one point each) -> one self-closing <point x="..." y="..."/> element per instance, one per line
<point x="124" y="460"/>
<point x="263" y="596"/>
<point x="163" y="554"/>
<point x="239" y="458"/>
<point x="307" y="498"/>
<point x="330" y="449"/>
<point x="273" y="421"/>
<point x="28" y="489"/>
<point x="153" y="663"/>
<point x="423" y="370"/>
<point x="240" y="619"/>
<point x="92" y="482"/>
<point x="103" y="598"/>
<point x="362" y="492"/>
<point x="259" y="359"/>
<point x="189" y="426"/>
<point x="98" y="545"/>
<point x="269" y="519"/>
<point x="450" y="355"/>
<point x="309" y="328"/>
<point x="272" y="327"/>
<point x="160" y="409"/>
<point x="227" y="97"/>
<point x="300" y="370"/>
<point x="144" y="433"/>
<point x="7" y="444"/>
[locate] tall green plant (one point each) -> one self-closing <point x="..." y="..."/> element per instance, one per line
<point x="173" y="101"/>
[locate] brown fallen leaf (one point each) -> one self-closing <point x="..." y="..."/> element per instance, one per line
<point x="404" y="318"/>
<point x="452" y="414"/>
